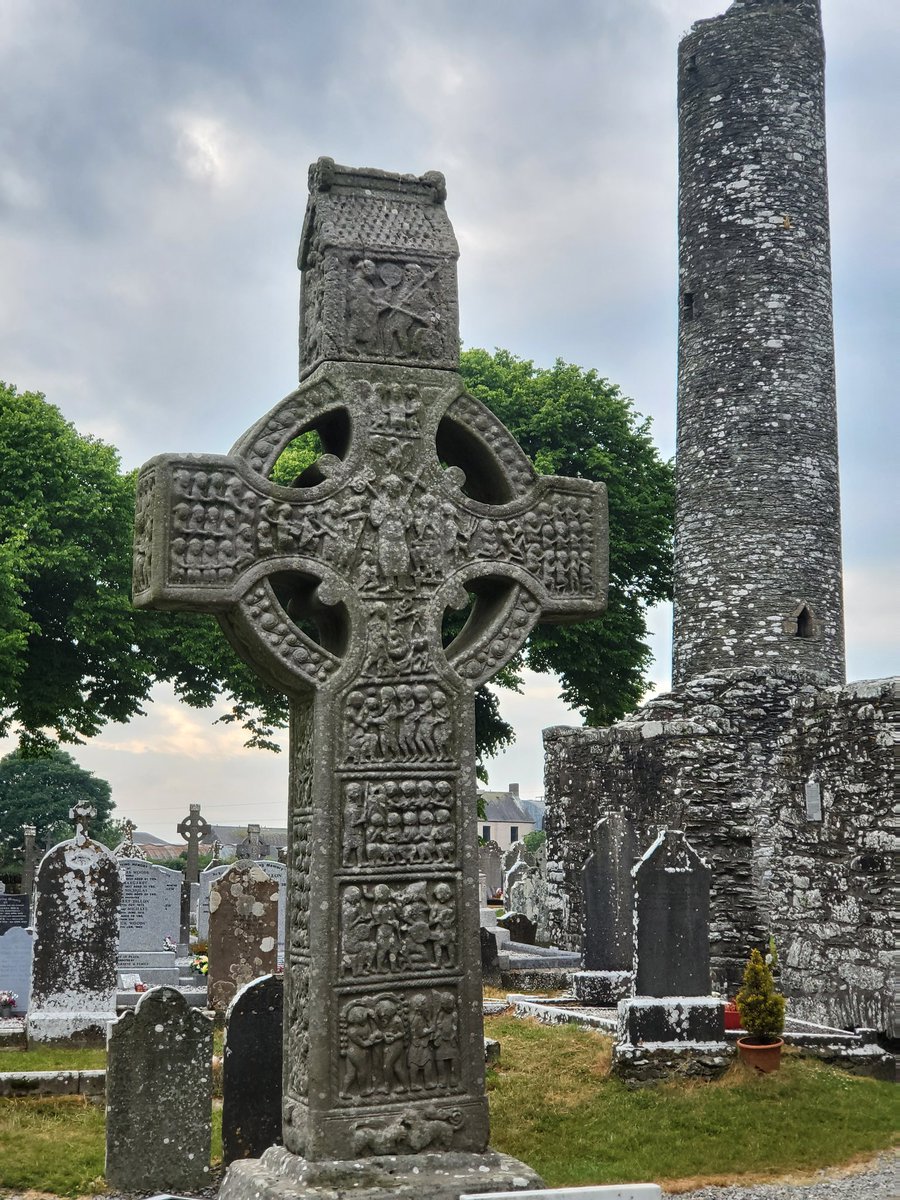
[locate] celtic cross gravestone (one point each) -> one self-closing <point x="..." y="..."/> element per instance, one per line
<point x="334" y="590"/>
<point x="193" y="828"/>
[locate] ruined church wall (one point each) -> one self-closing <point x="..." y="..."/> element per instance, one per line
<point x="726" y="757"/>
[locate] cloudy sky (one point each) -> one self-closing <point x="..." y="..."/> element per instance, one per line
<point x="153" y="162"/>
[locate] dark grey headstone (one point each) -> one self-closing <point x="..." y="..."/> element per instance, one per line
<point x="76" y="924"/>
<point x="490" y="959"/>
<point x="159" y="1095"/>
<point x="671" y="919"/>
<point x="608" y="889"/>
<point x="251" y="1070"/>
<point x="13" y="911"/>
<point x="521" y="928"/>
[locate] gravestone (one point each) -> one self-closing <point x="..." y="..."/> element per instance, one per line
<point x="150" y="913"/>
<point x="16" y="950"/>
<point x="14" y="910"/>
<point x="490" y="959"/>
<point x="126" y="848"/>
<point x="29" y="833"/>
<point x="334" y="590"/>
<point x="608" y="888"/>
<point x="671" y="888"/>
<point x="193" y="828"/>
<point x="253" y="846"/>
<point x="251" y="1069"/>
<point x="525" y="891"/>
<point x="671" y="1026"/>
<point x="159" y="1096"/>
<point x="76" y="928"/>
<point x="520" y="928"/>
<point x="243" y="927"/>
<point x="275" y="870"/>
<point x="490" y="860"/>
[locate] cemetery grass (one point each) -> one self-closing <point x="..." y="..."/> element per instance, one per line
<point x="58" y="1145"/>
<point x="554" y="1105"/>
<point x="50" y="1058"/>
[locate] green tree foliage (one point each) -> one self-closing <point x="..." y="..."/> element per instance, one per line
<point x="760" y="1006"/>
<point x="40" y="792"/>
<point x="534" y="840"/>
<point x="573" y="422"/>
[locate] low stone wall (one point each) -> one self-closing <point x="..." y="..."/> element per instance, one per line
<point x="726" y="757"/>
<point x="31" y="1084"/>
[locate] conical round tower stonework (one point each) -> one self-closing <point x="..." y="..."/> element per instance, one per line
<point x="758" y="551"/>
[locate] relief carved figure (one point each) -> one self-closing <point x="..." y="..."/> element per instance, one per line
<point x="390" y="724"/>
<point x="390" y="928"/>
<point x="395" y="1044"/>
<point x="390" y="823"/>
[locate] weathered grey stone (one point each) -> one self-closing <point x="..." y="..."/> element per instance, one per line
<point x="276" y="871"/>
<point x="609" y="896"/>
<point x="76" y="925"/>
<point x="193" y="828"/>
<point x="159" y="1095"/>
<point x="695" y="1019"/>
<point x="150" y="909"/>
<point x="490" y="861"/>
<point x="253" y="846"/>
<point x="29" y="835"/>
<point x="420" y="499"/>
<point x="243" y="931"/>
<point x="490" y="959"/>
<point x="251" y="1069"/>
<point x="671" y="918"/>
<point x="602" y="989"/>
<point x="521" y="928"/>
<point x="757" y="427"/>
<point x="16" y="950"/>
<point x="126" y="848"/>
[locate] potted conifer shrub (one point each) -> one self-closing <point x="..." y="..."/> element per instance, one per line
<point x="762" y="1016"/>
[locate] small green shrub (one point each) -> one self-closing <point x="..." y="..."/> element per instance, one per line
<point x="761" y="1007"/>
<point x="534" y="840"/>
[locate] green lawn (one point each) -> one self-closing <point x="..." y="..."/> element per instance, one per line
<point x="48" y="1058"/>
<point x="554" y="1106"/>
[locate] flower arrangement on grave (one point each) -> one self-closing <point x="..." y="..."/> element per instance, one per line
<point x="8" y="1001"/>
<point x="168" y="944"/>
<point x="200" y="964"/>
<point x="761" y="1008"/>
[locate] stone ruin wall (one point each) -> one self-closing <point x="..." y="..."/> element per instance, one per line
<point x="726" y="757"/>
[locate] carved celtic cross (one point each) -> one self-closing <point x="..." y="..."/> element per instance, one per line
<point x="335" y="590"/>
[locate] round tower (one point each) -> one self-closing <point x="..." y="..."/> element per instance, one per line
<point x="757" y="543"/>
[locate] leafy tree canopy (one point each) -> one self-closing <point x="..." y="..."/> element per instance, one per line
<point x="74" y="654"/>
<point x="40" y="792"/>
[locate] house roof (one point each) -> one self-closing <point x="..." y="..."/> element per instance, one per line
<point x="233" y="835"/>
<point x="503" y="806"/>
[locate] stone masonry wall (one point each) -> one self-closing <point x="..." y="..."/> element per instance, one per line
<point x="726" y="758"/>
<point x="757" y="543"/>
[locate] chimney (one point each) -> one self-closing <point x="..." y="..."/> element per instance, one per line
<point x="513" y="789"/>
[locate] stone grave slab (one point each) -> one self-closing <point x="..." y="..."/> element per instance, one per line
<point x="16" y="949"/>
<point x="243" y="924"/>
<point x="334" y="591"/>
<point x="251" y="1069"/>
<point x="671" y="884"/>
<point x="150" y="912"/>
<point x="76" y="923"/>
<point x="14" y="911"/>
<point x="159" y="1095"/>
<point x="274" y="869"/>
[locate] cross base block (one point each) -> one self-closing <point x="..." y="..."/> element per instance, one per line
<point x="281" y="1175"/>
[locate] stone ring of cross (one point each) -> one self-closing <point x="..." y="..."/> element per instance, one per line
<point x="420" y="502"/>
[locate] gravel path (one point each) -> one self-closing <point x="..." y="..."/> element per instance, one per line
<point x="880" y="1181"/>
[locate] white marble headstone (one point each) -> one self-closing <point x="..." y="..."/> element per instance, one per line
<point x="151" y="905"/>
<point x="16" y="948"/>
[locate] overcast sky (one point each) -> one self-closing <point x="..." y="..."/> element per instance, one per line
<point x="153" y="162"/>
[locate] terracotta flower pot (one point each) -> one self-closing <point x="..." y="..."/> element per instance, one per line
<point x="763" y="1056"/>
<point x="732" y="1016"/>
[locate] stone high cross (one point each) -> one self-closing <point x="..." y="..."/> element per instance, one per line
<point x="81" y="814"/>
<point x="193" y="828"/>
<point x="334" y="590"/>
